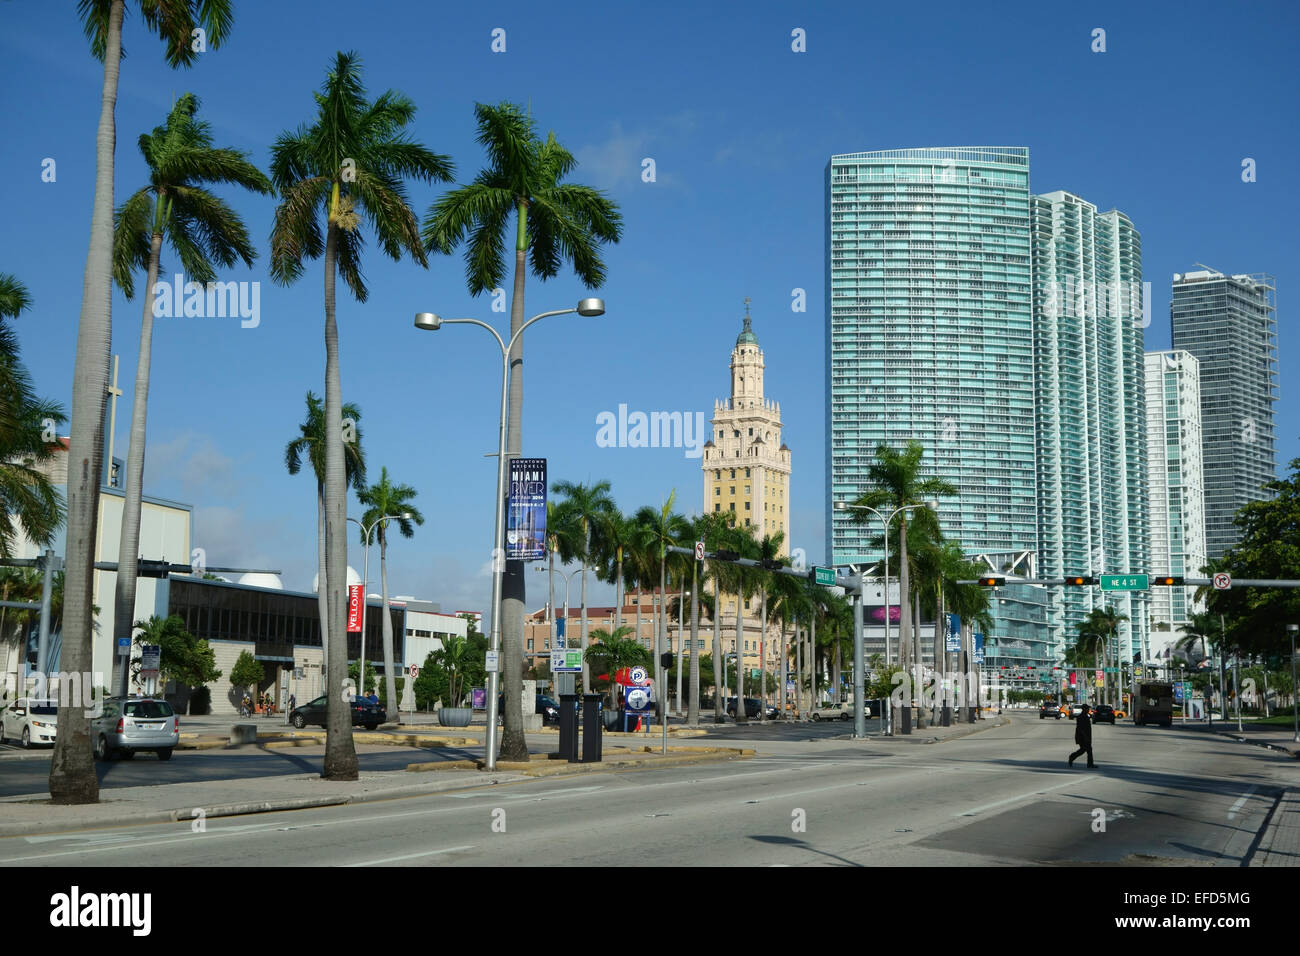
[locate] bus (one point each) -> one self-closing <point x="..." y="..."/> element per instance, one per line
<point x="1154" y="704"/>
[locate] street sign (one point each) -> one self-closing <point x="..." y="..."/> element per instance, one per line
<point x="566" y="662"/>
<point x="415" y="671"/>
<point x="1222" y="582"/>
<point x="638" y="676"/>
<point x="123" y="646"/>
<point x="150" y="657"/>
<point x="699" y="550"/>
<point x="638" y="698"/>
<point x="824" y="576"/>
<point x="1124" y="582"/>
<point x="493" y="662"/>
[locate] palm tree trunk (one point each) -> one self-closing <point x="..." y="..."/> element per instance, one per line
<point x="812" y="656"/>
<point x="390" y="678"/>
<point x="693" y="702"/>
<point x="128" y="548"/>
<point x="905" y="638"/>
<point x="660" y="617"/>
<point x="719" y="662"/>
<point x="340" y="752"/>
<point x="618" y="592"/>
<point x="72" y="769"/>
<point x="638" y="612"/>
<point x="513" y="590"/>
<point x="681" y="633"/>
<point x="586" y="668"/>
<point x="322" y="595"/>
<point x="798" y="668"/>
<point x="762" y="660"/>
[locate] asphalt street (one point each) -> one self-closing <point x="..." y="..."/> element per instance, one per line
<point x="1004" y="796"/>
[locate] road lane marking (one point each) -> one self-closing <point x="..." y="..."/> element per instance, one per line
<point x="1232" y="812"/>
<point x="411" y="856"/>
<point x="1024" y="796"/>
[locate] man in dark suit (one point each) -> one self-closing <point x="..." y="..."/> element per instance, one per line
<point x="1083" y="736"/>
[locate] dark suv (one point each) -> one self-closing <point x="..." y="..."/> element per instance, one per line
<point x="364" y="713"/>
<point x="1049" y="709"/>
<point x="1103" y="714"/>
<point x="752" y="704"/>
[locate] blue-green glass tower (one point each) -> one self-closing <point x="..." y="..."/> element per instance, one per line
<point x="930" y="336"/>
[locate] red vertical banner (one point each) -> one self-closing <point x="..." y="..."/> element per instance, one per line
<point x="354" y="608"/>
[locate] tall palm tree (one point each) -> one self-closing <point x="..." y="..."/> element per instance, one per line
<point x="28" y="499"/>
<point x="769" y="553"/>
<point x="386" y="498"/>
<point x="350" y="166"/>
<point x="554" y="223"/>
<point x="664" y="528"/>
<point x="310" y="444"/>
<point x="896" y="481"/>
<point x="617" y="535"/>
<point x="713" y="529"/>
<point x="585" y="508"/>
<point x="72" y="769"/>
<point x="201" y="230"/>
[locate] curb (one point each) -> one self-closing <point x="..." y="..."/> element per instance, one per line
<point x="543" y="766"/>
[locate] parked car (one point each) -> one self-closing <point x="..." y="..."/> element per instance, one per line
<point x="548" y="707"/>
<point x="1103" y="714"/>
<point x="127" y="725"/>
<point x="31" y="721"/>
<point x="1049" y="709"/>
<point x="364" y="713"/>
<point x="752" y="705"/>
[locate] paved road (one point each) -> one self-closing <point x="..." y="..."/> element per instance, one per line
<point x="1004" y="796"/>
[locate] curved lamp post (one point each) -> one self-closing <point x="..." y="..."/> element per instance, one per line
<point x="365" y="584"/>
<point x="431" y="321"/>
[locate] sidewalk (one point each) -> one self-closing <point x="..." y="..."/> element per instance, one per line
<point x="1274" y="738"/>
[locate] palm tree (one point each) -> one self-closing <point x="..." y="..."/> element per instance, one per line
<point x="713" y="529"/>
<point x="614" y="652"/>
<point x="453" y="657"/>
<point x="386" y="498"/>
<point x="28" y="499"/>
<point x="617" y="536"/>
<point x="664" y="528"/>
<point x="348" y="167"/>
<point x="585" y="508"/>
<point x="1199" y="629"/>
<point x="72" y="769"/>
<point x="202" y="230"/>
<point x="311" y="444"/>
<point x="896" y="482"/>
<point x="769" y="552"/>
<point x="555" y="222"/>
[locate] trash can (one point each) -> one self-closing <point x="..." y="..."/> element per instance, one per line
<point x="945" y="716"/>
<point x="593" y="727"/>
<point x="905" y="722"/>
<point x="569" y="727"/>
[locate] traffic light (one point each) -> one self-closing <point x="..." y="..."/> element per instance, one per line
<point x="724" y="555"/>
<point x="1168" y="581"/>
<point x="1079" y="581"/>
<point x="666" y="659"/>
<point x="772" y="564"/>
<point x="991" y="581"/>
<point x="153" y="569"/>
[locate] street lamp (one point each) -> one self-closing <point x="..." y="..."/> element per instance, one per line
<point x="1295" y="711"/>
<point x="859" y="687"/>
<point x="365" y="584"/>
<point x="431" y="321"/>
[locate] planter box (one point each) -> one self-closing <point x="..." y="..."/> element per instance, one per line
<point x="455" y="716"/>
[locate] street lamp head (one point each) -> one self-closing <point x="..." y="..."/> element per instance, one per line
<point x="405" y="516"/>
<point x="841" y="506"/>
<point x="591" y="307"/>
<point x="1292" y="628"/>
<point x="428" y="320"/>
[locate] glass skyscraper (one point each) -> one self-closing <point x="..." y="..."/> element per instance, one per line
<point x="1230" y="324"/>
<point x="930" y="336"/>
<point x="1091" y="409"/>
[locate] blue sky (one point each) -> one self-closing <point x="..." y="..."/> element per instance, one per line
<point x="740" y="128"/>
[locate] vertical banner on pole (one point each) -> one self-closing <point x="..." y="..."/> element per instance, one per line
<point x="526" y="510"/>
<point x="354" y="608"/>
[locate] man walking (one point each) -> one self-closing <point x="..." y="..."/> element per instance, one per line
<point x="1083" y="736"/>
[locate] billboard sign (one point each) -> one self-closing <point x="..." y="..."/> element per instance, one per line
<point x="150" y="658"/>
<point x="526" y="510"/>
<point x="875" y="614"/>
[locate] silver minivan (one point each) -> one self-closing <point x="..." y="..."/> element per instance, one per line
<point x="131" y="724"/>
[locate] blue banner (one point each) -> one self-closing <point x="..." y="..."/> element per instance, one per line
<point x="526" y="510"/>
<point x="979" y="648"/>
<point x="952" y="634"/>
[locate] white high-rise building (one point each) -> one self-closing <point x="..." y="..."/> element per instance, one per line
<point x="1176" y="489"/>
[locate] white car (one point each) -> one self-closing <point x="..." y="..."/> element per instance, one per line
<point x="33" y="721"/>
<point x="840" y="711"/>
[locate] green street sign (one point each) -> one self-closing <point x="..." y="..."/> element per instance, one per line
<point x="1124" y="582"/>
<point x="824" y="576"/>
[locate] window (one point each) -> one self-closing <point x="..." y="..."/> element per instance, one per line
<point x="746" y="505"/>
<point x="717" y="507"/>
<point x="746" y="472"/>
<point x="733" y="506"/>
<point x="747" y="486"/>
<point x="732" y="490"/>
<point x="733" y="475"/>
<point x="717" y="490"/>
<point x="751" y="433"/>
<point x="530" y="643"/>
